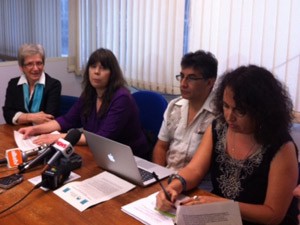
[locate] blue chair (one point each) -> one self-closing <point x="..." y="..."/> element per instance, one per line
<point x="152" y="106"/>
<point x="66" y="102"/>
<point x="295" y="133"/>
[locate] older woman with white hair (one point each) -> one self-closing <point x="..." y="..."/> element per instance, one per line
<point x="34" y="97"/>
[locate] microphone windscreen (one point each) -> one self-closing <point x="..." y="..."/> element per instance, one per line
<point x="73" y="136"/>
<point x="14" y="157"/>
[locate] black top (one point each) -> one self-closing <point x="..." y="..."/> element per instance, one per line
<point x="14" y="99"/>
<point x="245" y="180"/>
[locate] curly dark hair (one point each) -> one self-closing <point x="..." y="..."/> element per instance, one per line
<point x="201" y="61"/>
<point x="261" y="96"/>
<point x="116" y="80"/>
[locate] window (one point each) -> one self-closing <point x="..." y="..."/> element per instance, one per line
<point x="146" y="36"/>
<point x="150" y="37"/>
<point x="64" y="27"/>
<point x="265" y="33"/>
<point x="33" y="21"/>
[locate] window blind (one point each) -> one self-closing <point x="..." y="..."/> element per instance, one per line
<point x="30" y="21"/>
<point x="264" y="33"/>
<point x="146" y="37"/>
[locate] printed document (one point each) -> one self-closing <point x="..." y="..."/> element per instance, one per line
<point x="25" y="144"/>
<point x="217" y="213"/>
<point x="144" y="211"/>
<point x="100" y="188"/>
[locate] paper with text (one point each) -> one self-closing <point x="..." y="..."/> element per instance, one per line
<point x="24" y="144"/>
<point x="27" y="144"/>
<point x="217" y="213"/>
<point x="144" y="211"/>
<point x="99" y="188"/>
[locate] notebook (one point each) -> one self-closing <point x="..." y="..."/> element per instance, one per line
<point x="118" y="158"/>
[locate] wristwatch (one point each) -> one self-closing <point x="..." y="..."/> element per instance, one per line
<point x="180" y="178"/>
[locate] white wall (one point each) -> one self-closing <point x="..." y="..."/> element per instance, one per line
<point x="55" y="67"/>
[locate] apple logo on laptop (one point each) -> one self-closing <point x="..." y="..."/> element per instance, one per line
<point x="111" y="157"/>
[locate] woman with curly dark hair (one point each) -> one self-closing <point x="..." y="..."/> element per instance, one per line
<point x="105" y="107"/>
<point x="248" y="150"/>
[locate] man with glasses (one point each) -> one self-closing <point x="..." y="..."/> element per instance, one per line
<point x="34" y="97"/>
<point x="187" y="117"/>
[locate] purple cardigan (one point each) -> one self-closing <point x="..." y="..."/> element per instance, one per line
<point x="121" y="122"/>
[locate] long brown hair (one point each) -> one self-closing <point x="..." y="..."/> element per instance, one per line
<point x="108" y="60"/>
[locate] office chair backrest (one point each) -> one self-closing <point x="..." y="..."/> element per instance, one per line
<point x="295" y="133"/>
<point x="152" y="106"/>
<point x="66" y="102"/>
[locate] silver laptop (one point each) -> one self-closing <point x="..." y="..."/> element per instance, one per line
<point x="119" y="159"/>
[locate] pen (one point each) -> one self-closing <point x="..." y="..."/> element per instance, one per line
<point x="163" y="188"/>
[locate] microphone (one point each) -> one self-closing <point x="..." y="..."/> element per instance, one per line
<point x="62" y="146"/>
<point x="55" y="173"/>
<point x="37" y="160"/>
<point x="15" y="157"/>
<point x="65" y="146"/>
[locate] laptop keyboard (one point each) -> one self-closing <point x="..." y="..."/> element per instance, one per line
<point x="146" y="175"/>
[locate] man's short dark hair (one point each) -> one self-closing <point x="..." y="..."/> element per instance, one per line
<point x="204" y="62"/>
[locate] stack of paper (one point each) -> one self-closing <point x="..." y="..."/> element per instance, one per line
<point x="217" y="213"/>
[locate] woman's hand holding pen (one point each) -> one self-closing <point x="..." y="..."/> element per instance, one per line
<point x="162" y="202"/>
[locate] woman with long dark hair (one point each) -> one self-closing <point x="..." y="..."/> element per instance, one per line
<point x="105" y="107"/>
